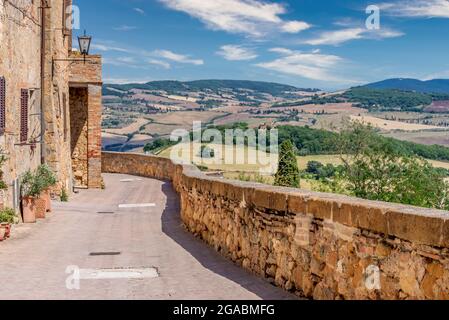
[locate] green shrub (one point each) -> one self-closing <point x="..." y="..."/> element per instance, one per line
<point x="46" y="175"/>
<point x="288" y="171"/>
<point x="158" y="144"/>
<point x="64" y="196"/>
<point x="374" y="169"/>
<point x="202" y="168"/>
<point x="7" y="215"/>
<point x="253" y="177"/>
<point x="32" y="184"/>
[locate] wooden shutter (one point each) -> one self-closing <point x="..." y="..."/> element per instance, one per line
<point x="24" y="115"/>
<point x="2" y="105"/>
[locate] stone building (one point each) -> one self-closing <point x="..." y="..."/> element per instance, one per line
<point x="50" y="97"/>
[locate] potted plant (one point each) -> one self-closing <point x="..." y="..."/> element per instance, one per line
<point x="7" y="218"/>
<point x="48" y="179"/>
<point x="31" y="190"/>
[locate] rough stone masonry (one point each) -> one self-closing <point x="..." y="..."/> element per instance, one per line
<point x="316" y="245"/>
<point x="36" y="58"/>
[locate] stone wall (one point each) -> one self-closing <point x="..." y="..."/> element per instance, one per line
<point x="85" y="71"/>
<point x="33" y="50"/>
<point x="94" y="135"/>
<point x="35" y="53"/>
<point x="319" y="246"/>
<point x="86" y="74"/>
<point x="20" y="66"/>
<point x="79" y="134"/>
<point x="57" y="45"/>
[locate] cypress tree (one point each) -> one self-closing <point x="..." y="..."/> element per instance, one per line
<point x="288" y="171"/>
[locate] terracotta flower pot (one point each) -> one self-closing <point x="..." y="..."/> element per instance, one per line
<point x="2" y="234"/>
<point x="41" y="207"/>
<point x="47" y="197"/>
<point x="7" y="227"/>
<point x="29" y="210"/>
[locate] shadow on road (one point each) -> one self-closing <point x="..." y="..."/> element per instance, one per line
<point x="208" y="257"/>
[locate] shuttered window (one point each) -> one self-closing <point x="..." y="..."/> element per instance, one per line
<point x="2" y="105"/>
<point x="24" y="115"/>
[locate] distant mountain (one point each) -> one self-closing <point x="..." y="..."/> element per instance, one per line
<point x="431" y="86"/>
<point x="274" y="89"/>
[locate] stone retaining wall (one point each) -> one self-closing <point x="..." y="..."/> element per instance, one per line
<point x="316" y="245"/>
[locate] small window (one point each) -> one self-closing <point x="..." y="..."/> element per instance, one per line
<point x="24" y="96"/>
<point x="2" y="105"/>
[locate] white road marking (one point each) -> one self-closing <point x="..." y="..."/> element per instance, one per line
<point x="101" y="274"/>
<point x="137" y="205"/>
<point x="130" y="180"/>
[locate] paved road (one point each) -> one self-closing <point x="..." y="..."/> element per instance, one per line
<point x="33" y="263"/>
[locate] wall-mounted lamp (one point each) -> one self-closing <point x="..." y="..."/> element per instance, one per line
<point x="84" y="43"/>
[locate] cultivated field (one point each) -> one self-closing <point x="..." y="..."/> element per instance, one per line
<point x="438" y="106"/>
<point x="183" y="102"/>
<point x="160" y="129"/>
<point x="422" y="137"/>
<point x="252" y="120"/>
<point x="346" y="108"/>
<point x="185" y="119"/>
<point x="134" y="127"/>
<point x="388" y="125"/>
<point x="109" y="138"/>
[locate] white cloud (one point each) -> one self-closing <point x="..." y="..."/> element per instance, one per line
<point x="236" y="53"/>
<point x="125" y="28"/>
<point x="126" y="59"/>
<point x="169" y="55"/>
<point x="295" y="26"/>
<point x="437" y="75"/>
<point x="251" y="17"/>
<point x="106" y="47"/>
<point x="139" y="10"/>
<point x="124" y="80"/>
<point x="315" y="66"/>
<point x="281" y="50"/>
<point x="418" y="8"/>
<point x="337" y="37"/>
<point x="340" y="36"/>
<point x="129" y="62"/>
<point x="160" y="63"/>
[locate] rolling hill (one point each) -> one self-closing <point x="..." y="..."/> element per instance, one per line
<point x="176" y="87"/>
<point x="430" y="86"/>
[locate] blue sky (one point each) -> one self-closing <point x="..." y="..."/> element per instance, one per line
<point x="306" y="43"/>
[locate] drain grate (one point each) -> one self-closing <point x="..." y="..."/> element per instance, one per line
<point x="106" y="212"/>
<point x="96" y="254"/>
